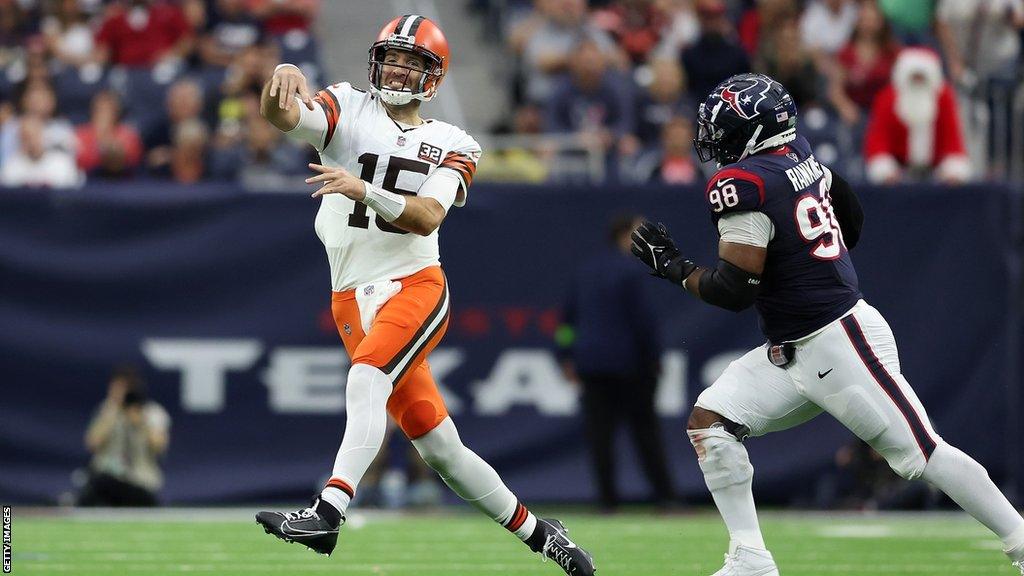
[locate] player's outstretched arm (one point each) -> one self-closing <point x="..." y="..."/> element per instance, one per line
<point x="733" y="284"/>
<point x="277" y="100"/>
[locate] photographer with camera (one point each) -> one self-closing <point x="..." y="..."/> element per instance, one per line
<point x="126" y="438"/>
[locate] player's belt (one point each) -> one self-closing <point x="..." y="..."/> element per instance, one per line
<point x="781" y="354"/>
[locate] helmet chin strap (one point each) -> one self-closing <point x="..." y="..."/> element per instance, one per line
<point x="752" y="143"/>
<point x="777" y="140"/>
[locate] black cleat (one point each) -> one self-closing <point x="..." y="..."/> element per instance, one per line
<point x="558" y="547"/>
<point x="303" y="526"/>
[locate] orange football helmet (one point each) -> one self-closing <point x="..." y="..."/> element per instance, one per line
<point x="414" y="34"/>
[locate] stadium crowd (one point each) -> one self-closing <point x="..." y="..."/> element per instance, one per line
<point x="888" y="90"/>
<point x="146" y="89"/>
<point x="882" y="85"/>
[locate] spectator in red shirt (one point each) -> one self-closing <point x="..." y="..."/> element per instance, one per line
<point x="914" y="131"/>
<point x="281" y="17"/>
<point x="865" y="64"/>
<point x="144" y="33"/>
<point x="107" y="146"/>
<point x="636" y="25"/>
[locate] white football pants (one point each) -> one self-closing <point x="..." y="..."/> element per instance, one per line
<point x="849" y="369"/>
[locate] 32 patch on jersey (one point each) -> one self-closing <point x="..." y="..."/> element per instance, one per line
<point x="430" y="153"/>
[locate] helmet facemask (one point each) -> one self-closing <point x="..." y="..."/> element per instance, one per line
<point x="424" y="90"/>
<point x="706" y="141"/>
<point x="713" y="143"/>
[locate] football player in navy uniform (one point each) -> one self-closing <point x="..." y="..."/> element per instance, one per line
<point x="786" y="223"/>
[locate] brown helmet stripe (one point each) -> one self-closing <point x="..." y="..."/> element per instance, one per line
<point x="401" y="23"/>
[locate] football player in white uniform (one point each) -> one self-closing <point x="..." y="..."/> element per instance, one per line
<point x="387" y="180"/>
<point x="786" y="224"/>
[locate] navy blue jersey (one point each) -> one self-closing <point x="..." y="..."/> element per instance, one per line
<point x="808" y="279"/>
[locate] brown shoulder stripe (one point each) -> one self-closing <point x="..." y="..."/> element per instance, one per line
<point x="332" y="108"/>
<point x="461" y="164"/>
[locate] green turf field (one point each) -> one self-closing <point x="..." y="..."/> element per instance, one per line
<point x="229" y="543"/>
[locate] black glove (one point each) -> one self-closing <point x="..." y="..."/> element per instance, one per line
<point x="654" y="247"/>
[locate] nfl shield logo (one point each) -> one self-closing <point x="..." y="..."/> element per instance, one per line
<point x="401" y="140"/>
<point x="347" y="329"/>
<point x="368" y="291"/>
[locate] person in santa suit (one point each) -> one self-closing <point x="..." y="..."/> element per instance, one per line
<point x="914" y="132"/>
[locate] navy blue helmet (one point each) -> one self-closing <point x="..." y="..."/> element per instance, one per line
<point x="743" y="115"/>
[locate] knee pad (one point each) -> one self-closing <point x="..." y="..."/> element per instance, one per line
<point x="419" y="418"/>
<point x="908" y="466"/>
<point x="722" y="458"/>
<point x="441" y="448"/>
<point x="908" y="462"/>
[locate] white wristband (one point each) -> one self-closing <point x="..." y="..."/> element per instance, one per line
<point x="388" y="204"/>
<point x="279" y="66"/>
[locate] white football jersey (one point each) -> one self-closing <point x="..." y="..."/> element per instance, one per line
<point x="360" y="136"/>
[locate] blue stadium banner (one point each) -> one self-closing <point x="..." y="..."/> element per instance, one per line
<point x="223" y="299"/>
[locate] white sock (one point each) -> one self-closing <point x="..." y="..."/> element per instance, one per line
<point x="366" y="397"/>
<point x="968" y="484"/>
<point x="474" y="480"/>
<point x="336" y="497"/>
<point x="729" y="476"/>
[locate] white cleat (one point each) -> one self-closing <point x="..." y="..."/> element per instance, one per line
<point x="1019" y="564"/>
<point x="748" y="562"/>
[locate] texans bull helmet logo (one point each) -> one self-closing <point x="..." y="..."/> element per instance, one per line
<point x="744" y="95"/>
